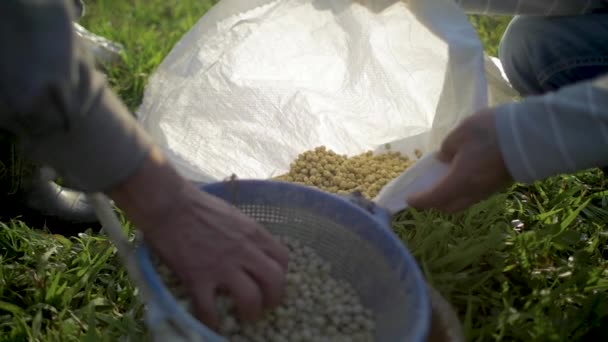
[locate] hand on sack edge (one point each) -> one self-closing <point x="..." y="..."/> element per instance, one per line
<point x="477" y="169"/>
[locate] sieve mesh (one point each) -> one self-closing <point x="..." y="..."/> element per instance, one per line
<point x="360" y="260"/>
<point x="358" y="244"/>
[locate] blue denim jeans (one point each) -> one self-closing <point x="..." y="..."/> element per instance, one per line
<point x="542" y="54"/>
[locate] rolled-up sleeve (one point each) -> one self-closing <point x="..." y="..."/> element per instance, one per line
<point x="560" y="132"/>
<point x="59" y="107"/>
<point x="532" y="7"/>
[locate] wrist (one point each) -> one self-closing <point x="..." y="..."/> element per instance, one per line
<point x="152" y="192"/>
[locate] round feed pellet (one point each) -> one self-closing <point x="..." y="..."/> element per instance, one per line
<point x="317" y="306"/>
<point x="365" y="173"/>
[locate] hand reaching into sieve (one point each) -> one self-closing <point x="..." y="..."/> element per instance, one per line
<point x="477" y="169"/>
<point x="209" y="244"/>
<point x="65" y="116"/>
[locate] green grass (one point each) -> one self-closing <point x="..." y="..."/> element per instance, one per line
<point x="547" y="281"/>
<point x="148" y="29"/>
<point x="58" y="289"/>
<point x="490" y="30"/>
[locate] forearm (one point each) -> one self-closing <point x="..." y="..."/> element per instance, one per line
<point x="561" y="132"/>
<point x="532" y="7"/>
<point x="59" y="107"/>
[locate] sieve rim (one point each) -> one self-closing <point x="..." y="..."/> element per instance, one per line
<point x="264" y="192"/>
<point x="326" y="204"/>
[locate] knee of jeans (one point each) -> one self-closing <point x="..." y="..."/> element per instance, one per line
<point x="519" y="53"/>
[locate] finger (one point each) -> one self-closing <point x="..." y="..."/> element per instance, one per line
<point x="449" y="146"/>
<point x="270" y="277"/>
<point x="246" y="294"/>
<point x="205" y="309"/>
<point x="453" y="141"/>
<point x="441" y="196"/>
<point x="475" y="196"/>
<point x="280" y="254"/>
<point x="274" y="248"/>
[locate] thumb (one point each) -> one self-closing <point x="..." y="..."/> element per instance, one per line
<point x="447" y="188"/>
<point x="454" y="141"/>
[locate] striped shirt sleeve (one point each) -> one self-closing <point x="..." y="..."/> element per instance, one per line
<point x="532" y="7"/>
<point x="560" y="132"/>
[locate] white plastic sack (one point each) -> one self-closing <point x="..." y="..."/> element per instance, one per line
<point x="256" y="82"/>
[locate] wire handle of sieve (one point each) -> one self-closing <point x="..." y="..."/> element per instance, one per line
<point x="113" y="229"/>
<point x="127" y="253"/>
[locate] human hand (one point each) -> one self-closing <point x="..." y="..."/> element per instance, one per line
<point x="209" y="244"/>
<point x="477" y="169"/>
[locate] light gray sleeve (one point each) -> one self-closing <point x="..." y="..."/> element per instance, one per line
<point x="532" y="7"/>
<point x="561" y="132"/>
<point x="58" y="106"/>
